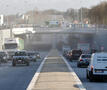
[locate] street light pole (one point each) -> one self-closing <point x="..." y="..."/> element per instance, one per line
<point x="81" y="16"/>
<point x="11" y="32"/>
<point x="81" y="11"/>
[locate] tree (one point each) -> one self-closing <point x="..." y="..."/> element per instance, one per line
<point x="98" y="14"/>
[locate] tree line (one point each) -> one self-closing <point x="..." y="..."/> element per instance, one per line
<point x="98" y="14"/>
<point x="95" y="15"/>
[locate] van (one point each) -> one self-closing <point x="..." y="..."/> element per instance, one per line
<point x="97" y="67"/>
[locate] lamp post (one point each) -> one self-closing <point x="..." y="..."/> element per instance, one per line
<point x="81" y="11"/>
<point x="81" y="16"/>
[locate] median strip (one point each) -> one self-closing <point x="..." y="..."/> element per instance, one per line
<point x="34" y="79"/>
<point x="78" y="81"/>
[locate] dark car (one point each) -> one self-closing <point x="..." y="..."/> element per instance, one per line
<point x="68" y="55"/>
<point x="20" y="57"/>
<point x="74" y="54"/>
<point x="65" y="53"/>
<point x="3" y="56"/>
<point x="93" y="51"/>
<point x="32" y="56"/>
<point x="84" y="60"/>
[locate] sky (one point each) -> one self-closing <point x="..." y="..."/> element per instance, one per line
<point x="21" y="6"/>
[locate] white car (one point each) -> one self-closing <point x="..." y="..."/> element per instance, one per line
<point x="84" y="60"/>
<point x="98" y="67"/>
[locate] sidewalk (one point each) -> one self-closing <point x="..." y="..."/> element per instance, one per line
<point x="55" y="75"/>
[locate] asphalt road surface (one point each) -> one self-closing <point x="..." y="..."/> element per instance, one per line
<point x="81" y="72"/>
<point x="19" y="77"/>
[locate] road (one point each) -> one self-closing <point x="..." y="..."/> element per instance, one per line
<point x="19" y="77"/>
<point x="81" y="72"/>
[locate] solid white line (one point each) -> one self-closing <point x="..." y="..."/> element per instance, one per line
<point x="34" y="79"/>
<point x="78" y="81"/>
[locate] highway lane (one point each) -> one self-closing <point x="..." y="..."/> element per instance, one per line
<point x="81" y="72"/>
<point x="19" y="77"/>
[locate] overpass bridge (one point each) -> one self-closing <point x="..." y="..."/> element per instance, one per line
<point x="52" y="36"/>
<point x="40" y="36"/>
<point x="30" y="30"/>
<point x="69" y="30"/>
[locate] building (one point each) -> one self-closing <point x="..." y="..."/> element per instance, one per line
<point x="4" y="34"/>
<point x="1" y="20"/>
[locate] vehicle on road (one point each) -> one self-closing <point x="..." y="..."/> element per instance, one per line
<point x="4" y="56"/>
<point x="20" y="57"/>
<point x="11" y="45"/>
<point x="98" y="67"/>
<point x="74" y="54"/>
<point x="32" y="56"/>
<point x="84" y="60"/>
<point x="93" y="51"/>
<point x="68" y="55"/>
<point x="65" y="50"/>
<point x="37" y="55"/>
<point x="65" y="53"/>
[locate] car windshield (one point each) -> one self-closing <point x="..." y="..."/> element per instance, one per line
<point x="10" y="46"/>
<point x="20" y="54"/>
<point x="76" y="52"/>
<point x="2" y="53"/>
<point x="86" y="56"/>
<point x="31" y="54"/>
<point x="37" y="53"/>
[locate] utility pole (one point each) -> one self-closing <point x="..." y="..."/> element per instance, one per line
<point x="81" y="16"/>
<point x="11" y="32"/>
<point x="10" y="26"/>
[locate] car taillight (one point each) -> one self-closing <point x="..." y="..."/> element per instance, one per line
<point x="92" y="68"/>
<point x="81" y="60"/>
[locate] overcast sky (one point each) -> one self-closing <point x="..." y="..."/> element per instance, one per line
<point x="20" y="6"/>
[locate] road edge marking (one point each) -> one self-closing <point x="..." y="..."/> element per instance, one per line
<point x="35" y="77"/>
<point x="78" y="81"/>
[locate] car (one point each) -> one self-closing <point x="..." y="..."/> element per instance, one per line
<point x="32" y="55"/>
<point x="21" y="57"/>
<point x="68" y="55"/>
<point x="4" y="56"/>
<point x="97" y="68"/>
<point x="65" y="53"/>
<point x="93" y="51"/>
<point x="37" y="55"/>
<point x="74" y="54"/>
<point x="84" y="60"/>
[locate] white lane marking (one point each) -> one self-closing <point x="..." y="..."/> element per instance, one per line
<point x="34" y="79"/>
<point x="78" y="81"/>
